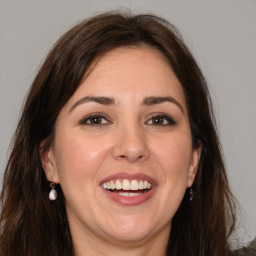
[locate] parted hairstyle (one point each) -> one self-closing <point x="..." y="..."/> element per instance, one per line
<point x="32" y="225"/>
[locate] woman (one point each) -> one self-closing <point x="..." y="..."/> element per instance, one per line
<point x="116" y="151"/>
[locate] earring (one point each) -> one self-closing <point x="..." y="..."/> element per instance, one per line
<point x="53" y="192"/>
<point x="191" y="194"/>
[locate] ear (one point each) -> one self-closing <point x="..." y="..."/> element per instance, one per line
<point x="49" y="163"/>
<point x="194" y="162"/>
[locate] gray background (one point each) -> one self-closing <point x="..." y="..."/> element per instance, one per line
<point x="220" y="33"/>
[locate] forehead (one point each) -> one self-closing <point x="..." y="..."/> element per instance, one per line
<point x="133" y="71"/>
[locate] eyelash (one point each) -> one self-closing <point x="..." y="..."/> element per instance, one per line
<point x="166" y="119"/>
<point x="163" y="117"/>
<point x="83" y="121"/>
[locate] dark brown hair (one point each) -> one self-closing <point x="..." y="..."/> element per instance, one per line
<point x="31" y="225"/>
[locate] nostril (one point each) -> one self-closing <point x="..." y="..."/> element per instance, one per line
<point x="130" y="158"/>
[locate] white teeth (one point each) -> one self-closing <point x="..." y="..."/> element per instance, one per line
<point x="118" y="185"/>
<point x="128" y="194"/>
<point x="141" y="184"/>
<point x="134" y="185"/>
<point x="127" y="185"/>
<point x="112" y="185"/>
<point x="147" y="185"/>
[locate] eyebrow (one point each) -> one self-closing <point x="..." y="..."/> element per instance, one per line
<point x="148" y="101"/>
<point x="98" y="99"/>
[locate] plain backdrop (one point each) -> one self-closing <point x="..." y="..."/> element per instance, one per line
<point x="221" y="34"/>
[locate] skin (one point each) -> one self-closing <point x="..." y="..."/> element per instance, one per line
<point x="129" y="139"/>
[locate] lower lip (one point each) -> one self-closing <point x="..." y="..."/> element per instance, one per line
<point x="133" y="200"/>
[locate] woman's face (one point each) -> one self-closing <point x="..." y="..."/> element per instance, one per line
<point x="123" y="152"/>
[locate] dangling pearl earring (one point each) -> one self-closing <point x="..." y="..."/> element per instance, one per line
<point x="53" y="192"/>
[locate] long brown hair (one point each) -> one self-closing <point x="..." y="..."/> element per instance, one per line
<point x="30" y="224"/>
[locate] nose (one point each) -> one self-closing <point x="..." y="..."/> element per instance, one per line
<point x="131" y="145"/>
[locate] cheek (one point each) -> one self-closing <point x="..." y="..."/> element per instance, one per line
<point x="174" y="157"/>
<point x="78" y="159"/>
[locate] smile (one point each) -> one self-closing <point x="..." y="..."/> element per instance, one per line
<point x="118" y="186"/>
<point x="128" y="190"/>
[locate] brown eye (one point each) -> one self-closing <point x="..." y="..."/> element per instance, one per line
<point x="94" y="120"/>
<point x="158" y="120"/>
<point x="161" y="120"/>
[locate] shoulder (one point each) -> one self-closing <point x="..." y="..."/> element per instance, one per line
<point x="249" y="250"/>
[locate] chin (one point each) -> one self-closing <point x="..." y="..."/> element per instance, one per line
<point x="130" y="229"/>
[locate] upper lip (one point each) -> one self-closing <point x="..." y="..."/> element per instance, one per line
<point x="129" y="176"/>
